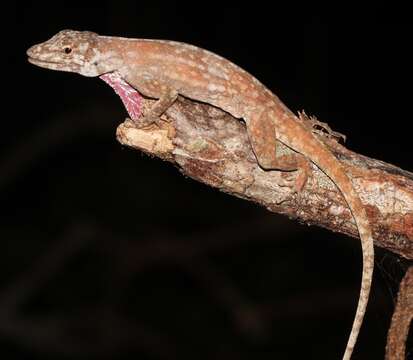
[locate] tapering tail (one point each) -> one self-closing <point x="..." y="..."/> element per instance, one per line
<point x="364" y="228"/>
<point x="333" y="168"/>
<point x="318" y="153"/>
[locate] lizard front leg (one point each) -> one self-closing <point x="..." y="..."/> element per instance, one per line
<point x="262" y="133"/>
<point x="160" y="106"/>
<point x="132" y="99"/>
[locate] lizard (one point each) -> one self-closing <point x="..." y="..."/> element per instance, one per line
<point x="163" y="69"/>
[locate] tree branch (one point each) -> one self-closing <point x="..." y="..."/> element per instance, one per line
<point x="211" y="146"/>
<point x="402" y="320"/>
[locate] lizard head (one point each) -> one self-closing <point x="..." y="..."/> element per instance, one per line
<point x="88" y="54"/>
<point x="74" y="51"/>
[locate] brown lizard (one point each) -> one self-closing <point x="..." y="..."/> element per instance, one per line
<point x="163" y="70"/>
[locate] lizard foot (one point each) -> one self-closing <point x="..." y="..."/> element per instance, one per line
<point x="320" y="127"/>
<point x="297" y="179"/>
<point x="147" y="120"/>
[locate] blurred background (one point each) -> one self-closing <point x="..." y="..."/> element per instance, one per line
<point x="110" y="254"/>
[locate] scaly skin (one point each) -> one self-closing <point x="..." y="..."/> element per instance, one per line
<point x="165" y="69"/>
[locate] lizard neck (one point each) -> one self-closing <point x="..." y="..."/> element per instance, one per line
<point x="107" y="55"/>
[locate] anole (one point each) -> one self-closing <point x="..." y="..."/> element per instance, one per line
<point x="163" y="70"/>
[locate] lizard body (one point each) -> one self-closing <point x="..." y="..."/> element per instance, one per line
<point x="163" y="70"/>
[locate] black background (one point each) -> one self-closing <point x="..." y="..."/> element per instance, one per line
<point x="104" y="251"/>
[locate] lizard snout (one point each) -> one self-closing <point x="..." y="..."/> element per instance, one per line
<point x="29" y="52"/>
<point x="32" y="51"/>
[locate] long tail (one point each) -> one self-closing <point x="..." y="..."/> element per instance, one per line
<point x="333" y="168"/>
<point x="304" y="142"/>
<point x="366" y="237"/>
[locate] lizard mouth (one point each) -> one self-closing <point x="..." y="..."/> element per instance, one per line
<point x="130" y="97"/>
<point x="34" y="55"/>
<point x="44" y="64"/>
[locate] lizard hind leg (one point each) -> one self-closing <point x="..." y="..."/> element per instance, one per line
<point x="262" y="134"/>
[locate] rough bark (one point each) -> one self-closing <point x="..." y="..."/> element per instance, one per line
<point x="211" y="146"/>
<point x="402" y="319"/>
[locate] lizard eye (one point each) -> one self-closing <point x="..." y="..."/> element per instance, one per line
<point x="67" y="50"/>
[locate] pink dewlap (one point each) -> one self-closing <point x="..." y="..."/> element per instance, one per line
<point x="129" y="96"/>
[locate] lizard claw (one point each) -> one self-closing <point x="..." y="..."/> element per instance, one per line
<point x="147" y="120"/>
<point x="320" y="127"/>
